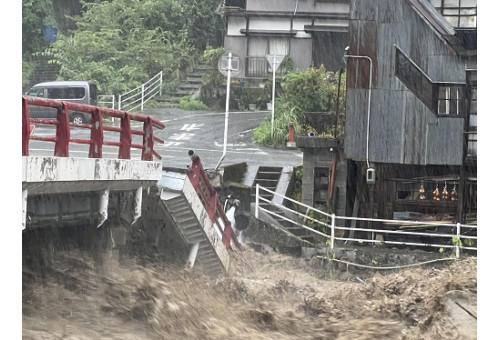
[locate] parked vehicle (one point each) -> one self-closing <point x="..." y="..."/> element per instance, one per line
<point x="81" y="92"/>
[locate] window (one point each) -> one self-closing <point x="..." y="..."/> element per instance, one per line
<point x="459" y="13"/>
<point x="66" y="93"/>
<point x="36" y="92"/>
<point x="235" y="3"/>
<point x="441" y="98"/>
<point x="450" y="99"/>
<point x="258" y="48"/>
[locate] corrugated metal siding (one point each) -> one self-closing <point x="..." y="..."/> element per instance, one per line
<point x="388" y="118"/>
<point x="442" y="146"/>
<point x="415" y="127"/>
<point x="403" y="130"/>
<point x="362" y="42"/>
<point x="355" y="125"/>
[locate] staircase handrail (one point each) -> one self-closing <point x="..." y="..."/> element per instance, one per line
<point x="208" y="195"/>
<point x="141" y="94"/>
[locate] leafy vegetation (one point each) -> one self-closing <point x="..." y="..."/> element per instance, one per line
<point x="246" y="96"/>
<point x="307" y="96"/>
<point x="120" y="44"/>
<point x="187" y="103"/>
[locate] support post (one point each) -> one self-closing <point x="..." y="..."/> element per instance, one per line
<point x="332" y="235"/>
<point x="228" y="90"/>
<point x="142" y="97"/>
<point x="457" y="244"/>
<point x="274" y="90"/>
<point x="103" y="207"/>
<point x="137" y="205"/>
<point x="25" y="207"/>
<point x="193" y="253"/>
<point x="257" y="201"/>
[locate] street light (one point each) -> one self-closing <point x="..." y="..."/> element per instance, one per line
<point x="346" y="55"/>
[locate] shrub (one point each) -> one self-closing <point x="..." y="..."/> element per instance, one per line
<point x="187" y="103"/>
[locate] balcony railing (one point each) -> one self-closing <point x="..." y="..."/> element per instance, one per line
<point x="258" y="67"/>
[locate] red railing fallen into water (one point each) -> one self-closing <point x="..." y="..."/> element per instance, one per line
<point x="210" y="199"/>
<point x="97" y="127"/>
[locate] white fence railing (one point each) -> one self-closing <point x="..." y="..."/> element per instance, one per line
<point x="133" y="99"/>
<point x="451" y="232"/>
<point x="106" y="100"/>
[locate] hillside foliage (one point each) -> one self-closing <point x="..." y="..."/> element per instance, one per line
<point x="119" y="44"/>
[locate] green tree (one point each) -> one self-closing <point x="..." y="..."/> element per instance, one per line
<point x="120" y="44"/>
<point x="204" y="27"/>
<point x="36" y="13"/>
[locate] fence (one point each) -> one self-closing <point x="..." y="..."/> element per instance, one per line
<point x="62" y="137"/>
<point x="106" y="100"/>
<point x="137" y="97"/>
<point x="452" y="232"/>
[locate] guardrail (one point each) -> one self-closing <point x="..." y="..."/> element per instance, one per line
<point x="210" y="199"/>
<point x="454" y="232"/>
<point x="62" y="138"/>
<point x="137" y="97"/>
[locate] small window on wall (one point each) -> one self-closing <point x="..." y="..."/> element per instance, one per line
<point x="451" y="100"/>
<point x="442" y="98"/>
<point x="258" y="48"/>
<point x="261" y="46"/>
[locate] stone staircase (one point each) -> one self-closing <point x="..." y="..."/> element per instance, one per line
<point x="45" y="70"/>
<point x="276" y="179"/>
<point x="188" y="87"/>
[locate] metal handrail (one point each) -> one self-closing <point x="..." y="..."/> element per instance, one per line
<point x="62" y="139"/>
<point x="105" y="102"/>
<point x="331" y="218"/>
<point x="208" y="195"/>
<point x="137" y="97"/>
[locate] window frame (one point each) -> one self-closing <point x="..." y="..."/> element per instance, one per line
<point x="419" y="83"/>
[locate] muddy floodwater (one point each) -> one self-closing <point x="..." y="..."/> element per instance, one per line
<point x="74" y="294"/>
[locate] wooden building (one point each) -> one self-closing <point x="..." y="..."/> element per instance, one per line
<point x="411" y="119"/>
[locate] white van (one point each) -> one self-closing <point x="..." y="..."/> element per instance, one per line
<point x="81" y="92"/>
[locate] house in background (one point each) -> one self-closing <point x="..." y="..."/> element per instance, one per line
<point x="411" y="133"/>
<point x="310" y="32"/>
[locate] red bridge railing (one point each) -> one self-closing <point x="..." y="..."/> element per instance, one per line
<point x="208" y="196"/>
<point x="97" y="127"/>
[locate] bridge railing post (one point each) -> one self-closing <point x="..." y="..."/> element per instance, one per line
<point x="26" y="127"/>
<point x="125" y="138"/>
<point x="96" y="135"/>
<point x="147" y="141"/>
<point x="61" y="148"/>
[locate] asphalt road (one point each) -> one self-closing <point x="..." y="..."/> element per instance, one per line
<point x="200" y="131"/>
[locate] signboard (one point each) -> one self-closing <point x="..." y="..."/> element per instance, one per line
<point x="275" y="60"/>
<point x="224" y="66"/>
